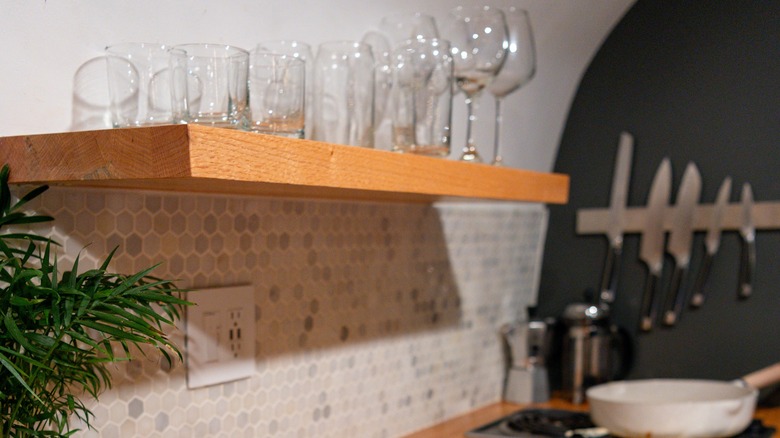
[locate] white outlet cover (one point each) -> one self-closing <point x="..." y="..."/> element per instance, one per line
<point x="220" y="341"/>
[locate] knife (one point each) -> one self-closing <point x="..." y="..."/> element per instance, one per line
<point x="748" y="232"/>
<point x="680" y="240"/>
<point x="617" y="208"/>
<point x="711" y="242"/>
<point x="651" y="250"/>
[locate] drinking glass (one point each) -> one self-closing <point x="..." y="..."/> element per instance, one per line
<point x="478" y="38"/>
<point x="344" y="94"/>
<point x="383" y="81"/>
<point x="422" y="97"/>
<point x="518" y="69"/>
<point x="215" y="92"/>
<point x="302" y="51"/>
<point x="276" y="94"/>
<point x="140" y="76"/>
<point x="394" y="30"/>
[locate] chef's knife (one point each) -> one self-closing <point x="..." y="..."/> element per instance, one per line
<point x="617" y="208"/>
<point x="651" y="250"/>
<point x="711" y="242"/>
<point x="748" y="232"/>
<point x="680" y="240"/>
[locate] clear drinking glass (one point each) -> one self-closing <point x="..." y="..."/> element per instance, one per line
<point x="302" y="51"/>
<point x="394" y="30"/>
<point x="422" y="97"/>
<point x="380" y="49"/>
<point x="478" y="37"/>
<point x="344" y="94"/>
<point x="140" y="77"/>
<point x="215" y="92"/>
<point x="518" y="69"/>
<point x="276" y="94"/>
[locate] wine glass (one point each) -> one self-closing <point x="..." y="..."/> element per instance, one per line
<point x="518" y="69"/>
<point x="401" y="27"/>
<point x="478" y="38"/>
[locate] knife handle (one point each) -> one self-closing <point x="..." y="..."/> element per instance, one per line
<point x="701" y="280"/>
<point x="746" y="268"/>
<point x="676" y="297"/>
<point x="609" y="278"/>
<point x="649" y="302"/>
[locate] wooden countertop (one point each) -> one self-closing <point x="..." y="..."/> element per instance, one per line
<point x="458" y="426"/>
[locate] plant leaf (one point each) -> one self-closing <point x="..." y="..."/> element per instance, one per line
<point x="112" y="331"/>
<point x="7" y="364"/>
<point x="18" y="336"/>
<point x="32" y="194"/>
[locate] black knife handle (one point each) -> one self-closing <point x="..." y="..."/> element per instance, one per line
<point x="699" y="291"/>
<point x="747" y="267"/>
<point x="675" y="298"/>
<point x="609" y="278"/>
<point x="649" y="304"/>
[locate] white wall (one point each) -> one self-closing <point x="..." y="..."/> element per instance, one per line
<point x="46" y="43"/>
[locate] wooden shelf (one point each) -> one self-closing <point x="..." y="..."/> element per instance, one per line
<point x="197" y="158"/>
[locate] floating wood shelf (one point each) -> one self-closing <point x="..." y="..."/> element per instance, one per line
<point x="202" y="159"/>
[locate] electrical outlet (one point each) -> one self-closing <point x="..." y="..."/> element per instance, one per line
<point x="220" y="335"/>
<point x="235" y="337"/>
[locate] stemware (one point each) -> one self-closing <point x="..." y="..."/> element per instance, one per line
<point x="478" y="38"/>
<point x="401" y="27"/>
<point x="518" y="69"/>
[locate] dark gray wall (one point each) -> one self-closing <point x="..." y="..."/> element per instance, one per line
<point x="695" y="81"/>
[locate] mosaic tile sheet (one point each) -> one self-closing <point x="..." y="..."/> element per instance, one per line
<point x="373" y="320"/>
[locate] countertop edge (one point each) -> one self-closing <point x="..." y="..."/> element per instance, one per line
<point x="460" y="424"/>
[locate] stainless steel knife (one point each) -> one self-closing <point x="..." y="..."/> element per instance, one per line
<point x="748" y="232"/>
<point x="651" y="250"/>
<point x="617" y="208"/>
<point x="711" y="243"/>
<point x="680" y="240"/>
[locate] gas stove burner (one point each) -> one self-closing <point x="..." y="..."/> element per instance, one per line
<point x="530" y="423"/>
<point x="757" y="430"/>
<point x="547" y="422"/>
<point x="539" y="423"/>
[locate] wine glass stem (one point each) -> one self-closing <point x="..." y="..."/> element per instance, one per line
<point x="470" y="151"/>
<point x="497" y="159"/>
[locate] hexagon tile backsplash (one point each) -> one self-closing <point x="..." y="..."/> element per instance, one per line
<point x="373" y="320"/>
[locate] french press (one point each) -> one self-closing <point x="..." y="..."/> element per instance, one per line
<point x="594" y="350"/>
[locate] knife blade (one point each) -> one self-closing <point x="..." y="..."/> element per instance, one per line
<point x="617" y="208"/>
<point x="711" y="243"/>
<point x="680" y="240"/>
<point x="748" y="232"/>
<point x="651" y="250"/>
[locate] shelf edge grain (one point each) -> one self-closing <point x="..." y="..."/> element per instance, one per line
<point x="115" y="154"/>
<point x="204" y="159"/>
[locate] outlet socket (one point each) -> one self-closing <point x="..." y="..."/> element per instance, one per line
<point x="220" y="335"/>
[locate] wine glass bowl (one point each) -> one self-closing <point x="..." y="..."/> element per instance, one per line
<point x="518" y="69"/>
<point x="401" y="27"/>
<point x="478" y="37"/>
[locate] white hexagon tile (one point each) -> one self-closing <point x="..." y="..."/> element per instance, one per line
<point x="373" y="320"/>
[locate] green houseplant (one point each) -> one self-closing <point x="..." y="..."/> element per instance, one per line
<point x="60" y="329"/>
